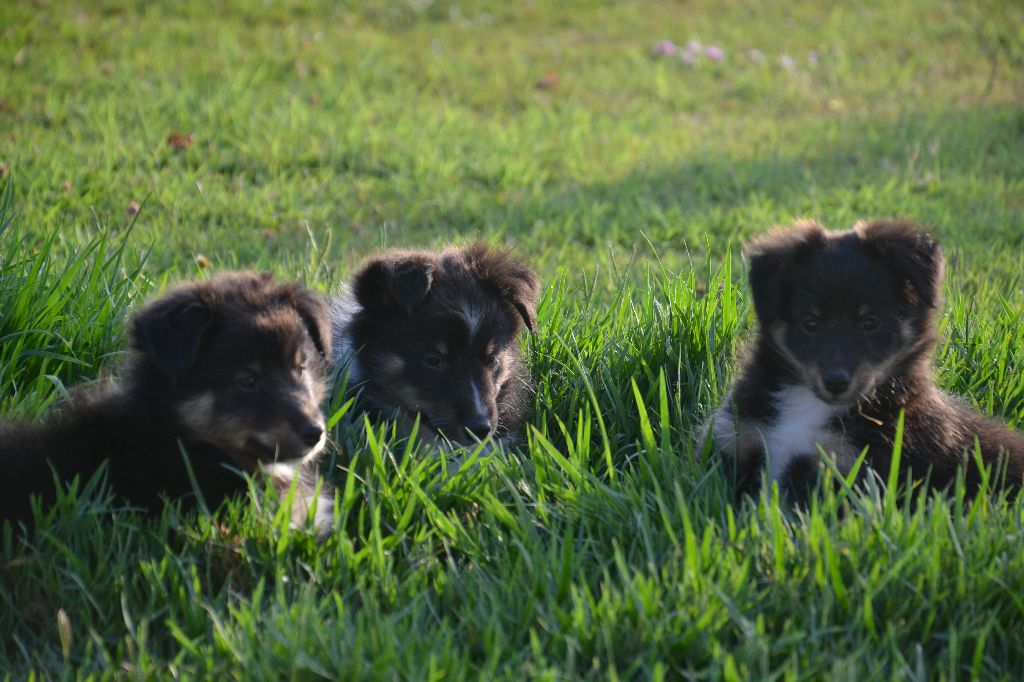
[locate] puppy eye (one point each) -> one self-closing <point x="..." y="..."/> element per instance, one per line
<point x="869" y="323"/>
<point x="433" y="360"/>
<point x="810" y="324"/>
<point x="247" y="382"/>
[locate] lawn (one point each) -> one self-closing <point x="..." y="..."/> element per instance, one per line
<point x="143" y="143"/>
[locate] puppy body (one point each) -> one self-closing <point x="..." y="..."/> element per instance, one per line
<point x="845" y="341"/>
<point x="228" y="372"/>
<point x="435" y="334"/>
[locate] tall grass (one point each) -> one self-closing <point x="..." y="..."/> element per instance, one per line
<point x="61" y="308"/>
<point x="604" y="545"/>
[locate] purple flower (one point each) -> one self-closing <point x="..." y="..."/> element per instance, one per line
<point x="755" y="55"/>
<point x="714" y="53"/>
<point x="664" y="48"/>
<point x="786" y="62"/>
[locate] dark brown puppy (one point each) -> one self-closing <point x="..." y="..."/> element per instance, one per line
<point x="435" y="334"/>
<point x="845" y="342"/>
<point x="230" y="371"/>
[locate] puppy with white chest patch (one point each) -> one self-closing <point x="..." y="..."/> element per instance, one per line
<point x="228" y="372"/>
<point x="845" y="343"/>
<point x="435" y="334"/>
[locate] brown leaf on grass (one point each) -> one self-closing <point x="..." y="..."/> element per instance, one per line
<point x="202" y="261"/>
<point x="4" y="167"/>
<point x="67" y="186"/>
<point x="133" y="209"/>
<point x="548" y="81"/>
<point x="178" y="141"/>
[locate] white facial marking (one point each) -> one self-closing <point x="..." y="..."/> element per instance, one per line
<point x="478" y="402"/>
<point x="196" y="412"/>
<point x="391" y="363"/>
<point x="473" y="316"/>
<point x="803" y="422"/>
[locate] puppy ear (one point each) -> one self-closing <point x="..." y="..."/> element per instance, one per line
<point x="523" y="292"/>
<point x="170" y="330"/>
<point x="313" y="310"/>
<point x="402" y="279"/>
<point x="910" y="252"/>
<point x="770" y="258"/>
<point x="515" y="283"/>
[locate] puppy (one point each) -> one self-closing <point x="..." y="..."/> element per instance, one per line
<point x="846" y="338"/>
<point x="434" y="334"/>
<point x="228" y="372"/>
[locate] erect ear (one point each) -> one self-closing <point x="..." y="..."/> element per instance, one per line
<point x="170" y="330"/>
<point x="311" y="308"/>
<point x="515" y="283"/>
<point x="771" y="256"/>
<point x="912" y="254"/>
<point x="401" y="279"/>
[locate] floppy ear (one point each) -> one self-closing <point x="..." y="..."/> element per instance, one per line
<point x="311" y="308"/>
<point x="401" y="279"/>
<point x="515" y="283"/>
<point x="770" y="258"/>
<point x="911" y="253"/>
<point x="170" y="330"/>
<point x="522" y="290"/>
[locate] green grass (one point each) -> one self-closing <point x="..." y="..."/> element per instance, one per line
<point x="605" y="545"/>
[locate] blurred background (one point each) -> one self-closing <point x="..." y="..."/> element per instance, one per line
<point x="586" y="133"/>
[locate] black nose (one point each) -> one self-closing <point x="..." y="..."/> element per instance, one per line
<point x="836" y="381"/>
<point x="481" y="428"/>
<point x="310" y="434"/>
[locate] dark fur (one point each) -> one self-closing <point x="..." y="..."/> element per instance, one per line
<point x="230" y="370"/>
<point x="849" y="317"/>
<point x="407" y="329"/>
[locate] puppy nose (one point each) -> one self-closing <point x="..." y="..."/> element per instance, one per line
<point x="481" y="428"/>
<point x="311" y="433"/>
<point x="836" y="381"/>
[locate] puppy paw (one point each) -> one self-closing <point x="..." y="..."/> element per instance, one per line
<point x="311" y="509"/>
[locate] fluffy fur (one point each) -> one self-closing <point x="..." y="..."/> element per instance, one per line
<point x="229" y="371"/>
<point x="845" y="341"/>
<point x="435" y="334"/>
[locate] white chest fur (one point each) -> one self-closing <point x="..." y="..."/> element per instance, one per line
<point x="803" y="423"/>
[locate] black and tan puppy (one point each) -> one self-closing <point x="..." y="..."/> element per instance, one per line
<point x="435" y="334"/>
<point x="846" y="338"/>
<point x="228" y="372"/>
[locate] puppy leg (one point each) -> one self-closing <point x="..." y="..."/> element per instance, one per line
<point x="306" y="497"/>
<point x="800" y="479"/>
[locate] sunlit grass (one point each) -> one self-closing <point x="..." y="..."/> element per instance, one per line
<point x="605" y="544"/>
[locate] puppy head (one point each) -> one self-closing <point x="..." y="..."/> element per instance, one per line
<point x="847" y="309"/>
<point x="437" y="335"/>
<point x="239" y="361"/>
